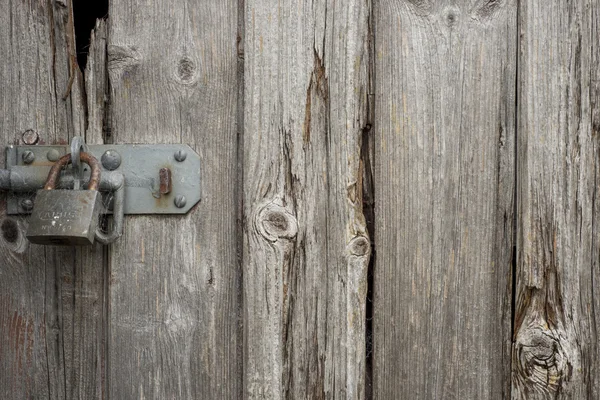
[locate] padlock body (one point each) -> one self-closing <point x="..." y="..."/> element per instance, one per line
<point x="65" y="217"/>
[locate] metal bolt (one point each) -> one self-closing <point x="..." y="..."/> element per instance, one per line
<point x="30" y="137"/>
<point x="28" y="157"/>
<point x="53" y="155"/>
<point x="111" y="160"/>
<point x="180" y="201"/>
<point x="27" y="204"/>
<point x="180" y="155"/>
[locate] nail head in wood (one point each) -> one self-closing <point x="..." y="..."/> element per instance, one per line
<point x="30" y="137"/>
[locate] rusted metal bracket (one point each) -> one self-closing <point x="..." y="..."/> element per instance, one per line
<point x="159" y="179"/>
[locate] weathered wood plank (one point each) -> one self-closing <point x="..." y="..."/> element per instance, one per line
<point x="45" y="293"/>
<point x="444" y="188"/>
<point x="78" y="278"/>
<point x="306" y="247"/>
<point x="86" y="281"/>
<point x="555" y="354"/>
<point x="96" y="85"/>
<point x="27" y="83"/>
<point x="175" y="281"/>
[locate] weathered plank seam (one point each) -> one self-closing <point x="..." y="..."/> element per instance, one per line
<point x="239" y="190"/>
<point x="45" y="330"/>
<point x="368" y="188"/>
<point x="515" y="220"/>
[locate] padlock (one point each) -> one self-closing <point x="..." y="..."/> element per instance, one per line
<point x="66" y="217"/>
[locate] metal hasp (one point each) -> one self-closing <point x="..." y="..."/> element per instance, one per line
<point x="158" y="179"/>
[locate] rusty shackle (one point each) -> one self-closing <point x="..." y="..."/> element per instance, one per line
<point x="64" y="160"/>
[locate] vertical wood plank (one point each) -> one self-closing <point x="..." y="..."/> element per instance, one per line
<point x="47" y="297"/>
<point x="175" y="281"/>
<point x="594" y="302"/>
<point x="444" y="188"/>
<point x="306" y="247"/>
<point x="555" y="354"/>
<point x="88" y="356"/>
<point x="76" y="310"/>
<point x="27" y="83"/>
<point x="96" y="84"/>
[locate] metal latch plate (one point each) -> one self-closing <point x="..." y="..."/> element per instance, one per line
<point x="143" y="167"/>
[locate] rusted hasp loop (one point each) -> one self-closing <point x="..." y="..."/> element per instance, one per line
<point x="54" y="173"/>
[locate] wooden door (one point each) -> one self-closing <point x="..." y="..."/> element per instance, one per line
<point x="398" y="200"/>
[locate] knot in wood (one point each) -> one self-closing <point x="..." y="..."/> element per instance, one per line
<point x="122" y="58"/>
<point x="275" y="222"/>
<point x="10" y="230"/>
<point x="541" y="362"/>
<point x="186" y="70"/>
<point x="488" y="9"/>
<point x="359" y="246"/>
<point x="421" y="7"/>
<point x="451" y="15"/>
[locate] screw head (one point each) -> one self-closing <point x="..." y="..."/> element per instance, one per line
<point x="180" y="155"/>
<point x="111" y="160"/>
<point x="27" y="204"/>
<point x="28" y="157"/>
<point x="30" y="137"/>
<point x="180" y="201"/>
<point x="53" y="155"/>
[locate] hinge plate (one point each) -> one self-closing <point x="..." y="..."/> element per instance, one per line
<point x="149" y="171"/>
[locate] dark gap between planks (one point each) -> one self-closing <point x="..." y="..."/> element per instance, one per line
<point x="369" y="214"/>
<point x="85" y="14"/>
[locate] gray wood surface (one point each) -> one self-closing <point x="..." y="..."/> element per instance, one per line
<point x="174" y="281"/>
<point x="469" y="110"/>
<point x="92" y="310"/>
<point x="306" y="246"/>
<point x="444" y="188"/>
<point x="556" y="352"/>
<point x="50" y="299"/>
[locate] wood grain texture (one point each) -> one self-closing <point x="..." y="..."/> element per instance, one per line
<point x="306" y="247"/>
<point x="96" y="85"/>
<point x="47" y="298"/>
<point x="174" y="282"/>
<point x="555" y="354"/>
<point x="444" y="189"/>
<point x="89" y="277"/>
